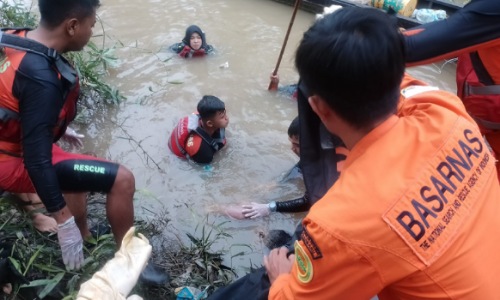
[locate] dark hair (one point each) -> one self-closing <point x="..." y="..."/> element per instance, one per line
<point x="209" y="106"/>
<point x="293" y="129"/>
<point x="354" y="59"/>
<point x="54" y="12"/>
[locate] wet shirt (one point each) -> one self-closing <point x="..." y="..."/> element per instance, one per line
<point x="413" y="215"/>
<point x="40" y="93"/>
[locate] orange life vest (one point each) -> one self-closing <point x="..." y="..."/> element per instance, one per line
<point x="13" y="43"/>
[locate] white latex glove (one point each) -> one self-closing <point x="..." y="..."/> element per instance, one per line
<point x="71" y="243"/>
<point x="119" y="275"/>
<point x="255" y="210"/>
<point x="73" y="137"/>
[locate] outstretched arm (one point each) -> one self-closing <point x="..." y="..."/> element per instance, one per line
<point x="471" y="28"/>
<point x="257" y="210"/>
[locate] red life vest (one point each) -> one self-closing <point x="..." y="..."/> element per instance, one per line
<point x="479" y="94"/>
<point x="188" y="52"/>
<point x="10" y="127"/>
<point x="185" y="127"/>
<point x="181" y="132"/>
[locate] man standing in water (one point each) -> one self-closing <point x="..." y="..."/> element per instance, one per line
<point x="416" y="203"/>
<point x="38" y="96"/>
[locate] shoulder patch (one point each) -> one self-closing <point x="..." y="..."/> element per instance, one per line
<point x="310" y="244"/>
<point x="429" y="216"/>
<point x="304" y="265"/>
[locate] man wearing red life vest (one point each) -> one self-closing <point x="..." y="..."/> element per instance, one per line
<point x="414" y="212"/>
<point x="199" y="136"/>
<point x="473" y="35"/>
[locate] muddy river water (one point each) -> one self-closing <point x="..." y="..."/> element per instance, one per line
<point x="161" y="88"/>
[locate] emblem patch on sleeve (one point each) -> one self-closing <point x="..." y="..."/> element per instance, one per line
<point x="304" y="265"/>
<point x="310" y="244"/>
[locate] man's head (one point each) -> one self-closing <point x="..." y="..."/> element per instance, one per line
<point x="293" y="136"/>
<point x="212" y="112"/>
<point x="352" y="61"/>
<point x="194" y="37"/>
<point x="75" y="17"/>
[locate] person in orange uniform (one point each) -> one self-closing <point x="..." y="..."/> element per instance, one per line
<point x="414" y="213"/>
<point x="473" y="35"/>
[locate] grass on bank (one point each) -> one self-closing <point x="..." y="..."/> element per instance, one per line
<point x="37" y="256"/>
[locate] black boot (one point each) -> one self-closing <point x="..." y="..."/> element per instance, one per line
<point x="154" y="275"/>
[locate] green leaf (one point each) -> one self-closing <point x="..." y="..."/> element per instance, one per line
<point x="16" y="264"/>
<point x="38" y="282"/>
<point x="50" y="269"/>
<point x="72" y="283"/>
<point x="32" y="259"/>
<point x="49" y="287"/>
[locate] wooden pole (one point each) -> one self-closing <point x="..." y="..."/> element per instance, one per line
<point x="295" y="8"/>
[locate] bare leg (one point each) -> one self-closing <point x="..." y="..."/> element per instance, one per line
<point x="77" y="204"/>
<point x="41" y="222"/>
<point x="119" y="206"/>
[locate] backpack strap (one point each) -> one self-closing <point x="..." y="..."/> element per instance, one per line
<point x="481" y="72"/>
<point x="207" y="138"/>
<point x="24" y="44"/>
<point x="483" y="90"/>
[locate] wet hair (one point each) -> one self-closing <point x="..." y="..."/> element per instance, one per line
<point x="354" y="59"/>
<point x="54" y="12"/>
<point x="209" y="106"/>
<point x="293" y="129"/>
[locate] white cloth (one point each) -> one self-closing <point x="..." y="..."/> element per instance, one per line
<point x="119" y="275"/>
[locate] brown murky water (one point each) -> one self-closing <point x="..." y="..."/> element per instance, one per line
<point x="248" y="36"/>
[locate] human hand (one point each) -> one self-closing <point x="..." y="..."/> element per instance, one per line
<point x="71" y="243"/>
<point x="278" y="262"/>
<point x="275" y="80"/>
<point x="185" y="51"/>
<point x="73" y="137"/>
<point x="255" y="210"/>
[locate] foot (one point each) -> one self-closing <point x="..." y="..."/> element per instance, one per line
<point x="154" y="275"/>
<point x="44" y="223"/>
